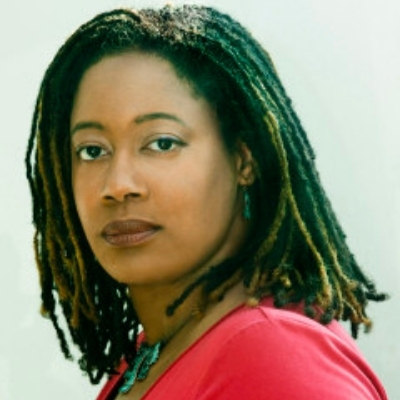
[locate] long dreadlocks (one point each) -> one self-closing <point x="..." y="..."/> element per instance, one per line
<point x="296" y="251"/>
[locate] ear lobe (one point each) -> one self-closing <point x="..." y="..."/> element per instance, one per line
<point x="245" y="165"/>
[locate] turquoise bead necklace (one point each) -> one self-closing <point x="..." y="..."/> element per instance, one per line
<point x="139" y="369"/>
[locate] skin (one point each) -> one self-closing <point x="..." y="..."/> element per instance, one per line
<point x="146" y="147"/>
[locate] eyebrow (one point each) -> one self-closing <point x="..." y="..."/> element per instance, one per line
<point x="138" y="120"/>
<point x="158" y="115"/>
<point x="86" y="125"/>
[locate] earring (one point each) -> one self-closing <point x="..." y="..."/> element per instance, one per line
<point x="247" y="206"/>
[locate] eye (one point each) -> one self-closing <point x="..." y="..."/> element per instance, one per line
<point x="91" y="152"/>
<point x="165" y="144"/>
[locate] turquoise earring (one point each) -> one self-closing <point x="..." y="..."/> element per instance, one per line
<point x="247" y="207"/>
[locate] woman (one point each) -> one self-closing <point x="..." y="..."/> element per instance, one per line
<point x="181" y="227"/>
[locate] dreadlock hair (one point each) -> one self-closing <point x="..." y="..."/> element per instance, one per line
<point x="296" y="251"/>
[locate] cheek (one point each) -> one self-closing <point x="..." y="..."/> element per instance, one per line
<point x="200" y="194"/>
<point x="84" y="191"/>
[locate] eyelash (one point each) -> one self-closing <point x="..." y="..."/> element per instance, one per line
<point x="172" y="141"/>
<point x="82" y="149"/>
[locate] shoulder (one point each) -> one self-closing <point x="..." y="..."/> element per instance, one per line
<point x="271" y="353"/>
<point x="266" y="327"/>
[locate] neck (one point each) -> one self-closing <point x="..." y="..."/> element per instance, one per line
<point x="178" y="332"/>
<point x="150" y="304"/>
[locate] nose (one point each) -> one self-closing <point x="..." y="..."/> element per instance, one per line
<point x="123" y="180"/>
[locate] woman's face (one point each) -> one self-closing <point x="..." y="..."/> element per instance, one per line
<point x="156" y="191"/>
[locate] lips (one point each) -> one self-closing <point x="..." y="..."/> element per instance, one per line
<point x="126" y="233"/>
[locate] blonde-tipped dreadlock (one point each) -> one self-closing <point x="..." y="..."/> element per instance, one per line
<point x="296" y="251"/>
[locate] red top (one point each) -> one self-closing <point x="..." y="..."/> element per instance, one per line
<point x="266" y="353"/>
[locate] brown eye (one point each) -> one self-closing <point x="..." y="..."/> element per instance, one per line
<point x="89" y="153"/>
<point x="165" y="144"/>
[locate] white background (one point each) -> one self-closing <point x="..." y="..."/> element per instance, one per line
<point x="340" y="62"/>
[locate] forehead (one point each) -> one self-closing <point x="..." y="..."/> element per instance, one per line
<point x="127" y="86"/>
<point x="129" y="75"/>
<point x="146" y="66"/>
<point x="128" y="64"/>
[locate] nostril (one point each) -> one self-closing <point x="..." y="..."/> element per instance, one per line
<point x="120" y="196"/>
<point x="123" y="180"/>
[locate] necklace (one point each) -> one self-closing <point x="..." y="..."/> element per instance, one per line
<point x="147" y="356"/>
<point x="139" y="369"/>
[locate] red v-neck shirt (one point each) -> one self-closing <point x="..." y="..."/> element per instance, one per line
<point x="266" y="353"/>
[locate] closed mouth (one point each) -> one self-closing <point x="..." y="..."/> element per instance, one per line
<point x="125" y="233"/>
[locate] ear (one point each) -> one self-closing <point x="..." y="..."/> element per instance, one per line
<point x="245" y="165"/>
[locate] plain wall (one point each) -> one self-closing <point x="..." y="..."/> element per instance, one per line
<point x="340" y="63"/>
